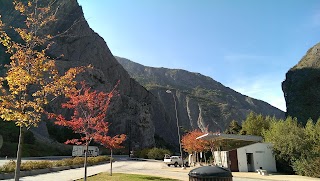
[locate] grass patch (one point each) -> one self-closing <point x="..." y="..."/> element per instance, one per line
<point x="122" y="176"/>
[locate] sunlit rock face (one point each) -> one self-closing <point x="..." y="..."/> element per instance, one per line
<point x="135" y="109"/>
<point x="302" y="87"/>
<point x="142" y="113"/>
<point x="202" y="103"/>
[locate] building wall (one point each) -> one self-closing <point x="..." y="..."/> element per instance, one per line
<point x="221" y="158"/>
<point x="262" y="157"/>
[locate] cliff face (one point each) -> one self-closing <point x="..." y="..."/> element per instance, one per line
<point x="302" y="87"/>
<point x="201" y="101"/>
<point x="138" y="112"/>
<point x="135" y="110"/>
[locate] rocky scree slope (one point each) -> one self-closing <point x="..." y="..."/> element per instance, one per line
<point x="136" y="112"/>
<point x="201" y="101"/>
<point x="301" y="87"/>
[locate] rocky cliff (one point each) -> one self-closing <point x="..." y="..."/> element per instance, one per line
<point x="141" y="113"/>
<point x="136" y="111"/>
<point x="302" y="87"/>
<point x="201" y="101"/>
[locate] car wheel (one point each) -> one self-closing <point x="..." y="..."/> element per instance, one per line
<point x="176" y="164"/>
<point x="168" y="165"/>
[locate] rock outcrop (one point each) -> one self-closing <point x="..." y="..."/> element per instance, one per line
<point x="134" y="111"/>
<point x="138" y="112"/>
<point x="302" y="87"/>
<point x="201" y="101"/>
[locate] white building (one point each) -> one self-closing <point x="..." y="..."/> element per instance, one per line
<point x="255" y="155"/>
<point x="248" y="158"/>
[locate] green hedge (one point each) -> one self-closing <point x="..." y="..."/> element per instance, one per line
<point x="157" y="153"/>
<point x="153" y="153"/>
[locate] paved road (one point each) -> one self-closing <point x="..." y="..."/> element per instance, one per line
<point x="156" y="168"/>
<point x="150" y="167"/>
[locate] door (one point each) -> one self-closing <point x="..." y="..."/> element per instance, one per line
<point x="250" y="162"/>
<point x="233" y="157"/>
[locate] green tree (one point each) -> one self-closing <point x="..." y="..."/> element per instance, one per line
<point x="234" y="128"/>
<point x="307" y="167"/>
<point x="308" y="163"/>
<point x="313" y="136"/>
<point x="296" y="147"/>
<point x="290" y="142"/>
<point x="288" y="139"/>
<point x="255" y="124"/>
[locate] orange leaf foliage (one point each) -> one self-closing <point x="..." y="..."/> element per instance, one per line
<point x="110" y="142"/>
<point x="191" y="144"/>
<point x="89" y="113"/>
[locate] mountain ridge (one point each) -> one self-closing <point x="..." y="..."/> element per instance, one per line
<point x="141" y="112"/>
<point x="202" y="92"/>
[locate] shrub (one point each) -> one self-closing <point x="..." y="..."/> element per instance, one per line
<point x="157" y="153"/>
<point x="8" y="167"/>
<point x="98" y="159"/>
<point x="307" y="167"/>
<point x="64" y="162"/>
<point x="78" y="160"/>
<point x="33" y="165"/>
<point x="142" y="153"/>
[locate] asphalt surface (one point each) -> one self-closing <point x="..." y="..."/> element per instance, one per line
<point x="149" y="167"/>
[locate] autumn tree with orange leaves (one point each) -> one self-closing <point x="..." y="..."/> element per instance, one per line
<point x="190" y="144"/>
<point x="88" y="119"/>
<point x="31" y="76"/>
<point x="193" y="146"/>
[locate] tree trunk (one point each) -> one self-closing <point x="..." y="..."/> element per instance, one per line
<point x="198" y="159"/>
<point x="111" y="162"/>
<point x="85" y="162"/>
<point x="19" y="152"/>
<point x="212" y="152"/>
<point x="205" y="158"/>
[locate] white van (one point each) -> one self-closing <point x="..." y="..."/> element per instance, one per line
<point x="79" y="150"/>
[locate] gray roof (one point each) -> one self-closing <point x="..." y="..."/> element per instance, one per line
<point x="222" y="136"/>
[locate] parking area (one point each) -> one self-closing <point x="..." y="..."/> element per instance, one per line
<point x="155" y="168"/>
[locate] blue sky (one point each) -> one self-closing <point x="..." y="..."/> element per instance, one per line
<point x="247" y="45"/>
